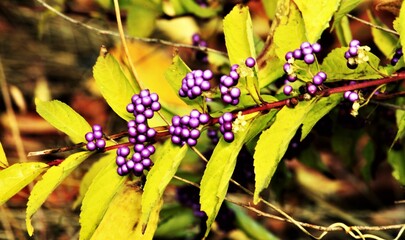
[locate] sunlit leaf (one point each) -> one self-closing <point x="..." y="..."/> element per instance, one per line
<point x="98" y="198"/>
<point x="400" y="26"/>
<point x="88" y="178"/>
<point x="176" y="222"/>
<point x="114" y="85"/>
<point x="191" y="6"/>
<point x="64" y="118"/>
<point x="274" y="142"/>
<point x="240" y="45"/>
<point x="335" y="66"/>
<point x="122" y="215"/>
<point x="167" y="159"/>
<point x="343" y="31"/>
<point x="400" y="119"/>
<point x="141" y="18"/>
<point x="174" y="76"/>
<point x="3" y="158"/>
<point x="321" y="108"/>
<point x="317" y="15"/>
<point x="345" y="7"/>
<point x="384" y="41"/>
<point x="50" y="180"/>
<point x="17" y="176"/>
<point x="215" y="181"/>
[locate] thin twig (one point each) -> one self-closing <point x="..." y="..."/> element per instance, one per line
<point x="124" y="43"/>
<point x="116" y="34"/>
<point x="372" y="25"/>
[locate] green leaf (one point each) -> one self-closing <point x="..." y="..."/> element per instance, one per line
<point x="141" y="19"/>
<point x="98" y="198"/>
<point x="400" y="26"/>
<point x="317" y="15"/>
<point x="17" y="176"/>
<point x="336" y="68"/>
<point x="167" y="159"/>
<point x="400" y="117"/>
<point x="3" y="158"/>
<point x="64" y="118"/>
<point x="251" y="227"/>
<point x="240" y="45"/>
<point x="121" y="219"/>
<point x="103" y="160"/>
<point x="292" y="23"/>
<point x="176" y="222"/>
<point x="274" y="142"/>
<point x="50" y="180"/>
<point x="343" y="31"/>
<point x="368" y="153"/>
<point x="174" y="76"/>
<point x="384" y="41"/>
<point x="321" y="108"/>
<point x="114" y="85"/>
<point x="215" y="181"/>
<point x="345" y="7"/>
<point x="270" y="7"/>
<point x="190" y="6"/>
<point x="396" y="160"/>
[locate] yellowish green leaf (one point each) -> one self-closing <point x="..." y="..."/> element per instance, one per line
<point x="3" y="158"/>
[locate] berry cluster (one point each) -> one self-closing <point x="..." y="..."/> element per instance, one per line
<point x="137" y="163"/>
<point x="198" y="42"/>
<point x="225" y="122"/>
<point x="184" y="129"/>
<point x="356" y="54"/>
<point x="352" y="96"/>
<point x="397" y="55"/>
<point x="229" y="93"/>
<point x="195" y="83"/>
<point x="143" y="106"/>
<point x="305" y="52"/>
<point x="95" y="138"/>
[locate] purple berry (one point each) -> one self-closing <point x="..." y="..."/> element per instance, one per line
<point x="354" y="43"/>
<point x="136" y="157"/>
<point x="346" y="94"/>
<point x="235" y="101"/>
<point x="312" y="89"/>
<point x="91" y="146"/>
<point x="196" y="90"/>
<point x="287" y="90"/>
<point x="154" y="97"/>
<point x="227" y="117"/>
<point x="148" y="113"/>
<point x="229" y="136"/>
<point x="353" y="51"/>
<point x="207" y="74"/>
<point x="235" y="92"/>
<point x="141" y="138"/>
<point x="297" y="54"/>
<point x="144" y="93"/>
<point x="139" y="108"/>
<point x="228" y="82"/>
<point x="100" y="143"/>
<point x="142" y="128"/>
<point x="176" y="121"/>
<point x="316" y="47"/>
<point x="317" y="80"/>
<point x="204" y="118"/>
<point x="309" y="59"/>
<point x="130" y="164"/>
<point x="130" y="108"/>
<point x="132" y="131"/>
<point x="138" y="167"/>
<point x="176" y="139"/>
<point x="322" y="75"/>
<point x="250" y="62"/>
<point x="98" y="134"/>
<point x="191" y="142"/>
<point x="194" y="122"/>
<point x="119" y="171"/>
<point x="287" y="67"/>
<point x="151" y="149"/>
<point x="123" y="151"/>
<point x="289" y="55"/>
<point x="146" y="163"/>
<point x="305" y="45"/>
<point x="89" y="136"/>
<point x="307" y="50"/>
<point x="120" y="160"/>
<point x="205" y="86"/>
<point x="347" y="55"/>
<point x="96" y="128"/>
<point x="234" y="67"/>
<point x="194" y="113"/>
<point x="195" y="133"/>
<point x="353" y="97"/>
<point x="151" y="133"/>
<point x="292" y="77"/>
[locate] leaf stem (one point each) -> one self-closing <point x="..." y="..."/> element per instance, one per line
<point x="372" y="25"/>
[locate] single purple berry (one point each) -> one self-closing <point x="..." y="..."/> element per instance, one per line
<point x="130" y="108"/>
<point x="287" y="68"/>
<point x="145" y="153"/>
<point x="140" y="118"/>
<point x="185" y="133"/>
<point x="139" y="108"/>
<point x="195" y="113"/>
<point x="234" y="67"/>
<point x="316" y="47"/>
<point x="309" y="59"/>
<point x="138" y="167"/>
<point x="100" y="143"/>
<point x="235" y="92"/>
<point x="185" y="119"/>
<point x="354" y="43"/>
<point x="312" y="89"/>
<point x="207" y="74"/>
<point x="176" y="121"/>
<point x="141" y="138"/>
<point x="292" y="77"/>
<point x="123" y="151"/>
<point x="194" y="122"/>
<point x="146" y="101"/>
<point x="347" y="55"/>
<point x="151" y="149"/>
<point x="399" y="52"/>
<point x="195" y="133"/>
<point x="130" y="164"/>
<point x="191" y="142"/>
<point x="250" y="62"/>
<point x="317" y="80"/>
<point x="305" y="45"/>
<point x="228" y="82"/>
<point x="234" y="75"/>
<point x="353" y="51"/>
<point x="148" y="113"/>
<point x="136" y="157"/>
<point x="97" y="134"/>
<point x="176" y="139"/>
<point x="205" y="86"/>
<point x="297" y="54"/>
<point x="144" y="93"/>
<point x="146" y="163"/>
<point x="307" y="50"/>
<point x="195" y="38"/>
<point x="287" y="90"/>
<point x="229" y="137"/>
<point x="119" y="171"/>
<point x="204" y="118"/>
<point x="289" y="55"/>
<point x="235" y="101"/>
<point x="394" y="61"/>
<point x="347" y="94"/>
<point x="227" y="117"/>
<point x="97" y="127"/>
<point x="142" y="128"/>
<point x="151" y="133"/>
<point x="120" y="160"/>
<point x="227" y="126"/>
<point x="322" y="75"/>
<point x="227" y="98"/>
<point x="196" y="90"/>
<point x="89" y="136"/>
<point x="154" y="97"/>
<point x="132" y="131"/>
<point x="91" y="146"/>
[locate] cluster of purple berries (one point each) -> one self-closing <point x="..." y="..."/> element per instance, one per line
<point x="184" y="130"/>
<point x="95" y="138"/>
<point x="143" y="106"/>
<point x="137" y="163"/>
<point x="352" y="96"/>
<point x="397" y="55"/>
<point x="356" y="54"/>
<point x="198" y="42"/>
<point x="229" y="93"/>
<point x="305" y="52"/>
<point x="195" y="83"/>
<point x="225" y="126"/>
